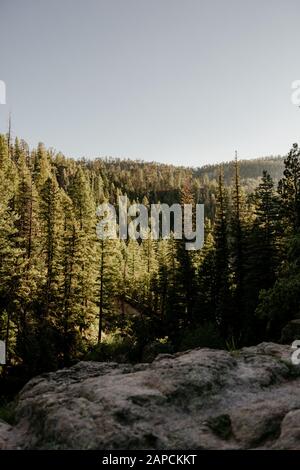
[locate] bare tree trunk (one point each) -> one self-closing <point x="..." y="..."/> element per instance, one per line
<point x="101" y="294"/>
<point x="7" y="337"/>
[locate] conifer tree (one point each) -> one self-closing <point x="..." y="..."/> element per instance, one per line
<point x="182" y="293"/>
<point x="11" y="255"/>
<point x="51" y="219"/>
<point x="84" y="212"/>
<point x="280" y="303"/>
<point x="289" y="189"/>
<point x="262" y="254"/>
<point x="41" y="166"/>
<point x="223" y="303"/>
<point x="237" y="251"/>
<point x="108" y="285"/>
<point x="70" y="320"/>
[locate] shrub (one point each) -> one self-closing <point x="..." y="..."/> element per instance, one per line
<point x="206" y="336"/>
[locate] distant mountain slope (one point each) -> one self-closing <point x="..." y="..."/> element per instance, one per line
<point x="161" y="182"/>
<point x="249" y="169"/>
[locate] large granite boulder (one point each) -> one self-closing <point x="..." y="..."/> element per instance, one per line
<point x="199" y="399"/>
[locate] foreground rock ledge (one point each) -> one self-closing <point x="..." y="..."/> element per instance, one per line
<point x="200" y="399"/>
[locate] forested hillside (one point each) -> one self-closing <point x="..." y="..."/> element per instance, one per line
<point x="65" y="295"/>
<point x="249" y="169"/>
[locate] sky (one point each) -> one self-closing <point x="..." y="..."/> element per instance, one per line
<point x="177" y="81"/>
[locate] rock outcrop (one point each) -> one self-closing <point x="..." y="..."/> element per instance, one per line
<point x="199" y="399"/>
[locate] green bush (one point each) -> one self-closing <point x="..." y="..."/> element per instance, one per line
<point x="7" y="411"/>
<point x="159" y="346"/>
<point x="205" y="336"/>
<point x="113" y="348"/>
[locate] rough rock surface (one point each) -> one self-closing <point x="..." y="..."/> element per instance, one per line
<point x="200" y="399"/>
<point x="5" y="434"/>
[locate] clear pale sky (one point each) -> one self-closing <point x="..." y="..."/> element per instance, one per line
<point x="177" y="81"/>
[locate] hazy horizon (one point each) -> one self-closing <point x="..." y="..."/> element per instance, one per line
<point x="140" y="160"/>
<point x="183" y="83"/>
